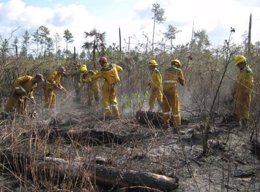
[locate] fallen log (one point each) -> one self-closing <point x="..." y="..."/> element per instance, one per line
<point x="82" y="136"/>
<point x="93" y="137"/>
<point x="153" y="118"/>
<point x="130" y="178"/>
<point x="58" y="171"/>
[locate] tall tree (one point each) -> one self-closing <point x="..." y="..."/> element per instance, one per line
<point x="36" y="39"/>
<point x="96" y="42"/>
<point x="157" y="18"/>
<point x="4" y="49"/>
<point x="200" y="41"/>
<point x="15" y="46"/>
<point x="44" y="33"/>
<point x="49" y="45"/>
<point x="249" y="34"/>
<point x="171" y="34"/>
<point x="68" y="38"/>
<point x="25" y="44"/>
<point x="56" y="41"/>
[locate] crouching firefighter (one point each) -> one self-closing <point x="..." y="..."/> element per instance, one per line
<point x="23" y="90"/>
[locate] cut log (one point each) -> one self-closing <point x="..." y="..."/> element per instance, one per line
<point x="149" y="117"/>
<point x="58" y="170"/>
<point x="130" y="178"/>
<point x="153" y="118"/>
<point x="93" y="137"/>
<point x="82" y="136"/>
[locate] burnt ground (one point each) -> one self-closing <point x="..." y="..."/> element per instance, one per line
<point x="230" y="164"/>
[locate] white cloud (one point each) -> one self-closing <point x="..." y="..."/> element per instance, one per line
<point x="216" y="17"/>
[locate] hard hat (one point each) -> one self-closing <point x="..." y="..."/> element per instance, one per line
<point x="239" y="59"/>
<point x="61" y="70"/>
<point x="83" y="68"/>
<point x="103" y="60"/>
<point x="39" y="76"/>
<point x="176" y="62"/>
<point x="152" y="62"/>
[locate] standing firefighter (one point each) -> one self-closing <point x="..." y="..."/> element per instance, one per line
<point x="242" y="91"/>
<point x="171" y="102"/>
<point x="23" y="90"/>
<point x="110" y="74"/>
<point x="92" y="87"/>
<point x="155" y="85"/>
<point x="53" y="84"/>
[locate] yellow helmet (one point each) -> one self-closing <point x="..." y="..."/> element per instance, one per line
<point x="176" y="62"/>
<point x="83" y="68"/>
<point x="239" y="59"/>
<point x="152" y="62"/>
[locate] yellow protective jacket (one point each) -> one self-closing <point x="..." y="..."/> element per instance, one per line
<point x="171" y="101"/>
<point x="17" y="101"/>
<point x="26" y="83"/>
<point x="242" y="92"/>
<point x="156" y="80"/>
<point x="86" y="76"/>
<point x="54" y="80"/>
<point x="172" y="76"/>
<point x="109" y="73"/>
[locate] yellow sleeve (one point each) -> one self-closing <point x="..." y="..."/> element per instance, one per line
<point x="118" y="68"/>
<point x="54" y="79"/>
<point x="97" y="75"/>
<point x="22" y="80"/>
<point x="51" y="77"/>
<point x="181" y="78"/>
<point x="156" y="80"/>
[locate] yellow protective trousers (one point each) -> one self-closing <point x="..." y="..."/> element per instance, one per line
<point x="93" y="92"/>
<point x="242" y="104"/>
<point x="242" y="93"/>
<point x="50" y="95"/>
<point x="109" y="100"/>
<point x="156" y="95"/>
<point x="171" y="107"/>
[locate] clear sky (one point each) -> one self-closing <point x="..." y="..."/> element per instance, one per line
<point x="134" y="17"/>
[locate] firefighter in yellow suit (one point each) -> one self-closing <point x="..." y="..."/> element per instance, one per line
<point x="171" y="102"/>
<point x="109" y="97"/>
<point x="155" y="85"/>
<point x="242" y="91"/>
<point x="23" y="90"/>
<point x="92" y="87"/>
<point x="53" y="84"/>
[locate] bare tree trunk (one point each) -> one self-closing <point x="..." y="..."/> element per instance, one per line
<point x="249" y="34"/>
<point x="94" y="54"/>
<point x="153" y="34"/>
<point x="120" y="48"/>
<point x="74" y="54"/>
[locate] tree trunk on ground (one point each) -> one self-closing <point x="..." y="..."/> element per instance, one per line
<point x="82" y="136"/>
<point x="57" y="171"/>
<point x="153" y="118"/>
